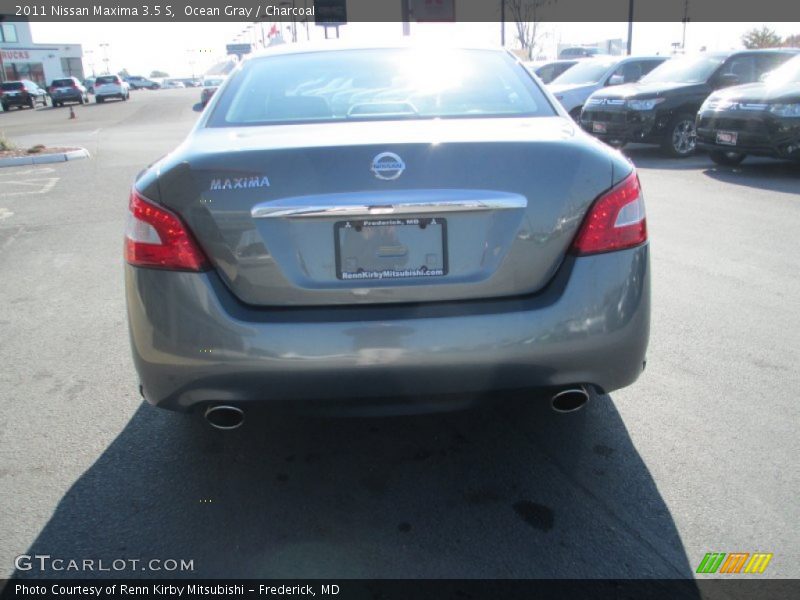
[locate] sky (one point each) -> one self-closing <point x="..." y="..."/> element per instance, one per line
<point x="187" y="49"/>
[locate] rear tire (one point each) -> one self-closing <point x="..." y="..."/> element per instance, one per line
<point x="31" y="102"/>
<point x="680" y="140"/>
<point x="728" y="159"/>
<point x="5" y="107"/>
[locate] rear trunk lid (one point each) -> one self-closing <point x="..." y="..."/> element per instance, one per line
<point x="378" y="212"/>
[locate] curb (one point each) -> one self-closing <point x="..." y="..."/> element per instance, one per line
<point x="42" y="159"/>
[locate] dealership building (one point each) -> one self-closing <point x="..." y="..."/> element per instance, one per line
<point x="20" y="58"/>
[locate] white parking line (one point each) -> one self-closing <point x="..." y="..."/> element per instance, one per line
<point x="35" y="171"/>
<point x="29" y="187"/>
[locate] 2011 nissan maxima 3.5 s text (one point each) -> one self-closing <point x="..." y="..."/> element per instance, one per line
<point x="345" y="225"/>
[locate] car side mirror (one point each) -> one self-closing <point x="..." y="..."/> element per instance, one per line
<point x="616" y="80"/>
<point x="728" y="79"/>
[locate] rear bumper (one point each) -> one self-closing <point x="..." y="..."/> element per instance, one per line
<point x="194" y="343"/>
<point x="15" y="100"/>
<point x="70" y="97"/>
<point x="109" y="93"/>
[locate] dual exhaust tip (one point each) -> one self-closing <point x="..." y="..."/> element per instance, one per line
<point x="227" y="418"/>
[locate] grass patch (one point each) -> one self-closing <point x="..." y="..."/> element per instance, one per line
<point x="5" y="143"/>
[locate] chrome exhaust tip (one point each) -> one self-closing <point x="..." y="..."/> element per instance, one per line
<point x="224" y="417"/>
<point x="570" y="399"/>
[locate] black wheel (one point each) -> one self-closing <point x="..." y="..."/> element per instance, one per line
<point x="727" y="158"/>
<point x="680" y="140"/>
<point x="80" y="100"/>
<point x="32" y="102"/>
<point x="5" y="107"/>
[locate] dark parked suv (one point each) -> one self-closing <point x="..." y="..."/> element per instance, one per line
<point x="762" y="118"/>
<point x="21" y="93"/>
<point x="68" y="89"/>
<point x="661" y="107"/>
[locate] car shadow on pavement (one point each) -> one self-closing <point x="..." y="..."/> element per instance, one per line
<point x="505" y="490"/>
<point x="651" y="157"/>
<point x="764" y="174"/>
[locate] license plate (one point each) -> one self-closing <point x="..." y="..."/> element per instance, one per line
<point x="599" y="127"/>
<point x="727" y="138"/>
<point x="389" y="249"/>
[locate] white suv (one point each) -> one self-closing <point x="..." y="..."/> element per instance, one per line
<point x="111" y="86"/>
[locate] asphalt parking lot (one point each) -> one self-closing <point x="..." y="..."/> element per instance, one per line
<point x="700" y="455"/>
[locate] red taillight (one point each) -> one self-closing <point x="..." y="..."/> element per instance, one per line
<point x="154" y="237"/>
<point x="615" y="221"/>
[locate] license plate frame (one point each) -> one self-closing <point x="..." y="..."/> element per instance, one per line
<point x="347" y="271"/>
<point x="727" y="138"/>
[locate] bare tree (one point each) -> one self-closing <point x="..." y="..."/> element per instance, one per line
<point x="523" y="13"/>
<point x="792" y="41"/>
<point x="761" y="38"/>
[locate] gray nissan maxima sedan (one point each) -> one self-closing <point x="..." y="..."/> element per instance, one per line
<point x="345" y="225"/>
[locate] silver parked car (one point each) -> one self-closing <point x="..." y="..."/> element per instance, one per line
<point x="349" y="224"/>
<point x="574" y="86"/>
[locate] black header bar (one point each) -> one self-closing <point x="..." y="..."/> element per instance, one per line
<point x="393" y="10"/>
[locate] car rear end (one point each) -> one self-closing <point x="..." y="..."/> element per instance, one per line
<point x="66" y="90"/>
<point x="209" y="88"/>
<point x="14" y="93"/>
<point x="352" y="225"/>
<point x="110" y="86"/>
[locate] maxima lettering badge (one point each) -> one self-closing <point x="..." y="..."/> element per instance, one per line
<point x="388" y="166"/>
<point x="239" y="183"/>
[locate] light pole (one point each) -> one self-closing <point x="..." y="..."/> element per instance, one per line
<point x="685" y="21"/>
<point x="294" y="24"/>
<point x="630" y="26"/>
<point x="105" y="47"/>
<point x="90" y="60"/>
<point x="503" y="22"/>
<point x="191" y="60"/>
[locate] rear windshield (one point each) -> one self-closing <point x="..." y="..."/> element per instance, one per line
<point x="688" y="69"/>
<point x="62" y="82"/>
<point x="590" y="71"/>
<point x="11" y="85"/>
<point x="397" y="83"/>
<point x="106" y="79"/>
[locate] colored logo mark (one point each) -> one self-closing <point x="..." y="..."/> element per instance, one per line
<point x="734" y="562"/>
